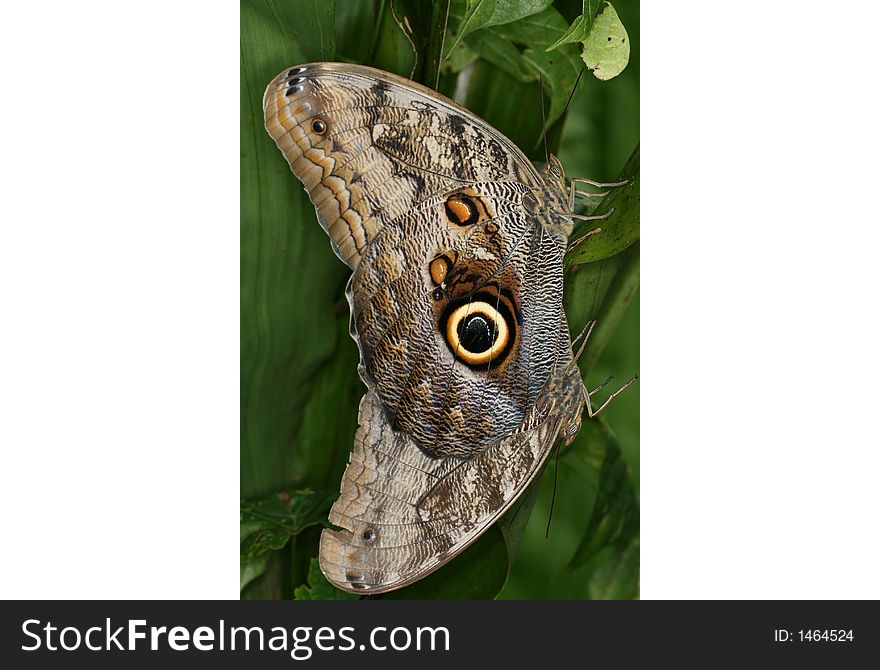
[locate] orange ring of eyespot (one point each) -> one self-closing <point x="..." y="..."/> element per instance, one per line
<point x="490" y="313"/>
<point x="323" y="126"/>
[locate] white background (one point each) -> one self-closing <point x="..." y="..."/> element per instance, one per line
<point x="119" y="356"/>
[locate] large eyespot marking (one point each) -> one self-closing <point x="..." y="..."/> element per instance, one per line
<point x="480" y="329"/>
<point x="462" y="210"/>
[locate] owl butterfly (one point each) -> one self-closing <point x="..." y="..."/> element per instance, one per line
<point x="455" y="242"/>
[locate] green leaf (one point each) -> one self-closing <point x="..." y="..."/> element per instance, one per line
<point x="619" y="230"/>
<point x="536" y="30"/>
<point x="501" y="53"/>
<point x="410" y="39"/>
<point x="558" y="71"/>
<point x="268" y="522"/>
<point x="601" y="291"/>
<point x="356" y="34"/>
<point x="476" y="14"/>
<point x="319" y="588"/>
<point x="606" y="47"/>
<point x="284" y="271"/>
<point x="436" y="30"/>
<point x="485" y="13"/>
<point x="329" y="418"/>
<point x="460" y="58"/>
<point x="617" y="574"/>
<point x="251" y="569"/>
<point x="580" y="27"/>
<point x="396" y="50"/>
<point x="610" y="541"/>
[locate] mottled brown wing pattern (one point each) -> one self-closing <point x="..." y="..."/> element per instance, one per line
<point x="368" y="145"/>
<point x="403" y="514"/>
<point x="447" y="402"/>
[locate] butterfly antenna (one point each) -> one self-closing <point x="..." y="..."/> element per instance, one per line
<point x="565" y="109"/>
<point x="543" y="118"/>
<point x="553" y="497"/>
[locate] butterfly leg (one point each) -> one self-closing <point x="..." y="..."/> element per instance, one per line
<point x="595" y="412"/>
<point x="600" y="386"/>
<point x="598" y="184"/>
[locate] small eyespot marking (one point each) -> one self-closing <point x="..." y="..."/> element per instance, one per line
<point x="319" y="127"/>
<point x="439" y="268"/>
<point x="462" y="210"/>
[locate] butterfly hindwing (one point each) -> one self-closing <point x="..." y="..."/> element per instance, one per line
<point x="402" y="514"/>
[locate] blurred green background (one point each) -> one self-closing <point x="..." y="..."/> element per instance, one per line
<point x="299" y="385"/>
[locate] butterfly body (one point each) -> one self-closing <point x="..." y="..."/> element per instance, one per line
<point x="456" y="244"/>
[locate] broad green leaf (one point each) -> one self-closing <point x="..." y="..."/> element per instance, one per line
<point x="410" y="40"/>
<point x="476" y="14"/>
<point x="536" y="30"/>
<point x="610" y="540"/>
<point x="602" y="291"/>
<point x="318" y="588"/>
<point x="251" y="569"/>
<point x="286" y="279"/>
<point x="357" y="24"/>
<point x="606" y="48"/>
<point x="460" y="58"/>
<point x="616" y="576"/>
<point x="485" y="13"/>
<point x="268" y="522"/>
<point x="558" y="71"/>
<point x="397" y="50"/>
<point x="437" y="27"/>
<point x="580" y="27"/>
<point x="619" y="230"/>
<point x="329" y="418"/>
<point x="501" y="53"/>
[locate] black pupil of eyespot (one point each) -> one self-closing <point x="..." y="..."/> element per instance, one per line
<point x="318" y="126"/>
<point x="477" y="333"/>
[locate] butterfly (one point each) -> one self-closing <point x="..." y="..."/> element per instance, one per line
<point x="456" y="244"/>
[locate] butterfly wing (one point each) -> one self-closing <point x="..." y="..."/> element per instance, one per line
<point x="456" y="301"/>
<point x="369" y="145"/>
<point x="403" y="514"/>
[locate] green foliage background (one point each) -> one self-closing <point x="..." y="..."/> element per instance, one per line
<point x="299" y="386"/>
